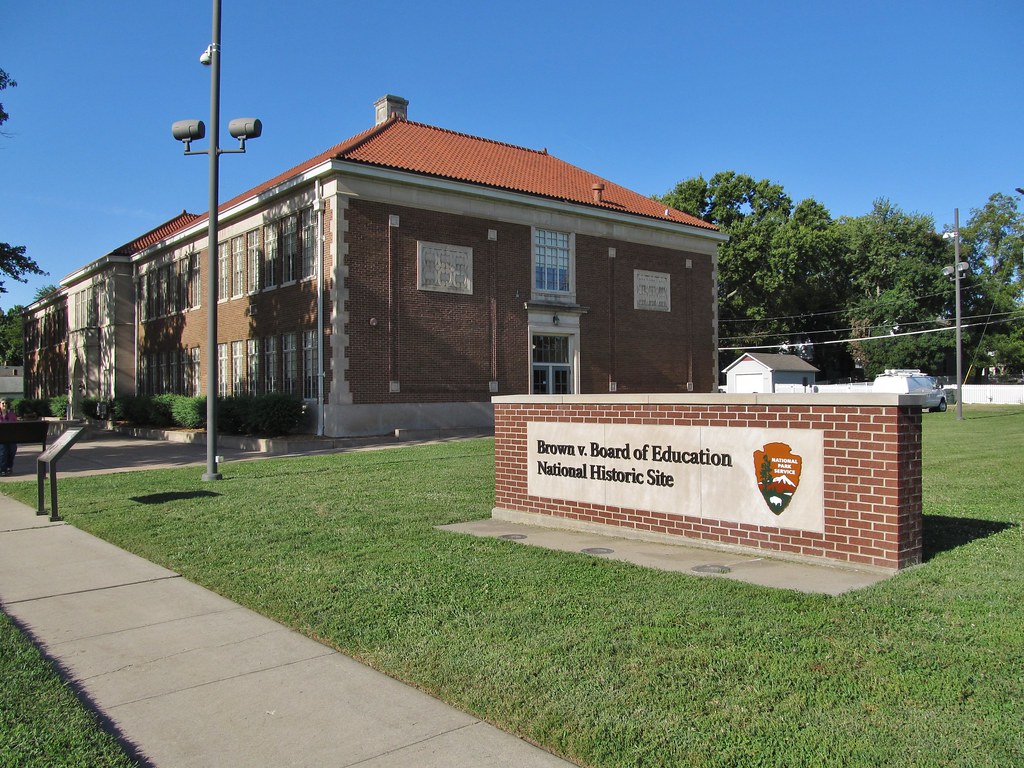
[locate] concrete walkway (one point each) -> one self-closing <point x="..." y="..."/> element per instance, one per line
<point x="187" y="678"/>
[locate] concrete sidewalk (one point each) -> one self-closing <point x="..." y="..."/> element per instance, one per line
<point x="188" y="678"/>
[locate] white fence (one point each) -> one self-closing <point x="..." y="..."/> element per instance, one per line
<point x="1002" y="394"/>
<point x="994" y="394"/>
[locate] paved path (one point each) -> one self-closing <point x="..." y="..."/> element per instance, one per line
<point x="188" y="678"/>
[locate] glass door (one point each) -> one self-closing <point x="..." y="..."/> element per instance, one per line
<point x="552" y="370"/>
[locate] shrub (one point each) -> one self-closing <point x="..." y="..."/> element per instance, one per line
<point x="90" y="406"/>
<point x="31" y="407"/>
<point x="131" y="409"/>
<point x="189" y="412"/>
<point x="264" y="415"/>
<point x="159" y="409"/>
<point x="59" y="406"/>
<point x="274" y="415"/>
<point x="233" y="414"/>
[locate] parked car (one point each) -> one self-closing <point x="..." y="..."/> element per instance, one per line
<point x="904" y="381"/>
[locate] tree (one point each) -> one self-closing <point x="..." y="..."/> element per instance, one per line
<point x="6" y="81"/>
<point x="894" y="264"/>
<point x="15" y="264"/>
<point x="13" y="261"/>
<point x="993" y="246"/>
<point x="45" y="290"/>
<point x="12" y="337"/>
<point x="780" y="274"/>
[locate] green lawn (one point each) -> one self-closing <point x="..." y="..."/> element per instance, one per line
<point x="606" y="663"/>
<point x="42" y="724"/>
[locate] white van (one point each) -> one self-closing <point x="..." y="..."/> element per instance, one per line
<point x="905" y="381"/>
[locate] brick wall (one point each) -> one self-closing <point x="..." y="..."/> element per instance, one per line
<point x="281" y="309"/>
<point x="443" y="347"/>
<point x="872" y="471"/>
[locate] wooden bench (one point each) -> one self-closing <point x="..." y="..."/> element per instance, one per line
<point x="24" y="432"/>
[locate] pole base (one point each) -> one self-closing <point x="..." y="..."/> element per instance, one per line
<point x="208" y="476"/>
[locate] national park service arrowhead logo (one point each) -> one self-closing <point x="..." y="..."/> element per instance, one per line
<point x="777" y="470"/>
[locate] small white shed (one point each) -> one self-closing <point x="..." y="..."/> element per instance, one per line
<point x="756" y="372"/>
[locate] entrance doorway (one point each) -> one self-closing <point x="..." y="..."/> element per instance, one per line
<point x="552" y="366"/>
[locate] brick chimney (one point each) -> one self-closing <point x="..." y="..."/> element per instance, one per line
<point x="389" y="105"/>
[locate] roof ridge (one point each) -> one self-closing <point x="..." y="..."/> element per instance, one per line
<point x="463" y="134"/>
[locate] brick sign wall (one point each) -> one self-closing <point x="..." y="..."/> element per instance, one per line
<point x="799" y="476"/>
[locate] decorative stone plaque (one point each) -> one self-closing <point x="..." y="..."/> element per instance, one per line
<point x="652" y="291"/>
<point x="444" y="268"/>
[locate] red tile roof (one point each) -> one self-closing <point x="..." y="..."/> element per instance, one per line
<point x="424" y="149"/>
<point x="169" y="227"/>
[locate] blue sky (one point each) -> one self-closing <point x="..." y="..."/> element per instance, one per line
<point x="919" y="102"/>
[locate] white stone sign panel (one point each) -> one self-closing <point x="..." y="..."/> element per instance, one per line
<point x="444" y="268"/>
<point x="766" y="477"/>
<point x="652" y="290"/>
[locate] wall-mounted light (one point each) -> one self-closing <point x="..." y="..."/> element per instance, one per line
<point x="555" y="320"/>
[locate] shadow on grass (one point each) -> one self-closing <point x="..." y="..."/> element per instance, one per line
<point x="131" y="749"/>
<point x="943" y="533"/>
<point x="163" y="498"/>
<point x="1000" y="415"/>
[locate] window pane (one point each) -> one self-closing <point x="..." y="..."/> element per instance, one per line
<point x="273" y="260"/>
<point x="551" y="260"/>
<point x="551" y="349"/>
<point x="252" y="249"/>
<point x="223" y="269"/>
<point x="238" y="266"/>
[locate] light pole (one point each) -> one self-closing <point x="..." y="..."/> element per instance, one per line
<point x="955" y="271"/>
<point x="186" y="131"/>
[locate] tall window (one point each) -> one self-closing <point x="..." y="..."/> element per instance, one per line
<point x="151" y="295"/>
<point x="290" y="249"/>
<point x="270" y="363"/>
<point x="237" y="367"/>
<point x="237" y="266"/>
<point x="289" y="364"/>
<point x="143" y="374"/>
<point x="308" y="243"/>
<point x="223" y="270"/>
<point x="252" y="252"/>
<point x="252" y="358"/>
<point x="272" y="265"/>
<point x="194" y="286"/>
<point x="192" y="384"/>
<point x="143" y="298"/>
<point x="309" y="369"/>
<point x="222" y="369"/>
<point x="174" y="363"/>
<point x="551" y="261"/>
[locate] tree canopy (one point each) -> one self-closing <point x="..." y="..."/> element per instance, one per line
<point x="13" y="261"/>
<point x="792" y="278"/>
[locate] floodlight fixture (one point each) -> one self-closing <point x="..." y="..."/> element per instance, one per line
<point x="206" y="57"/>
<point x="188" y="131"/>
<point x="243" y="128"/>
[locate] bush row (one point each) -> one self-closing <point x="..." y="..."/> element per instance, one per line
<point x="262" y="415"/>
<point x="45" y="406"/>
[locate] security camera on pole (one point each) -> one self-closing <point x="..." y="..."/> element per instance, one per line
<point x="188" y="131"/>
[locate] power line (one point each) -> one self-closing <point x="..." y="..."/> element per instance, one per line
<point x="829" y="312"/>
<point x="906" y="324"/>
<point x="874" y="338"/>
